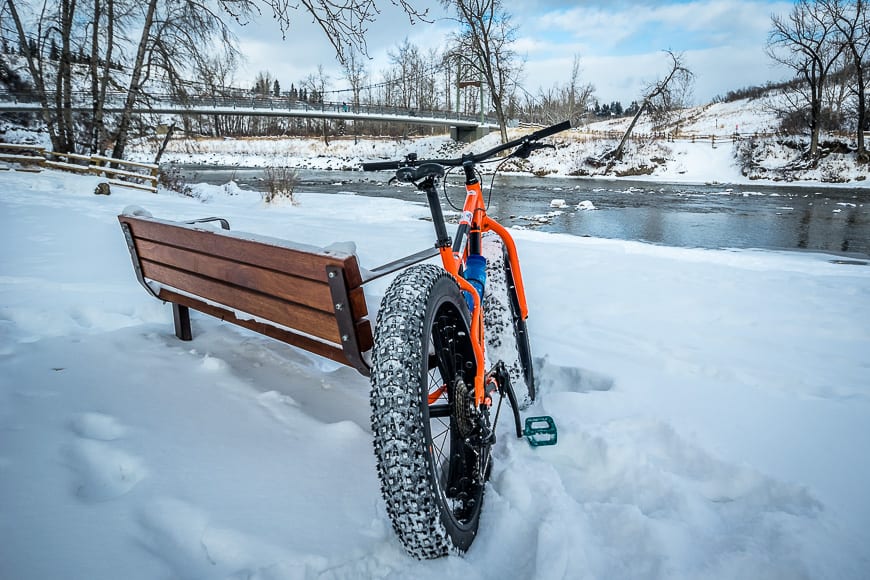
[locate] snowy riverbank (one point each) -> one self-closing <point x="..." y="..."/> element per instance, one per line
<point x="713" y="409"/>
<point x="705" y="152"/>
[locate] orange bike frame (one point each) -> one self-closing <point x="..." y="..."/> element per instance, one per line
<point x="477" y="221"/>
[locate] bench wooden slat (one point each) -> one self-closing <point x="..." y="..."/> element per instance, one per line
<point x="300" y="340"/>
<point x="308" y="320"/>
<point x="303" y="263"/>
<point x="303" y="291"/>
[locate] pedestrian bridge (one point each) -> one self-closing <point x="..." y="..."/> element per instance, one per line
<point x="462" y="126"/>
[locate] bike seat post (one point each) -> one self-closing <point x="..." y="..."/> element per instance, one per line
<point x="441" y="235"/>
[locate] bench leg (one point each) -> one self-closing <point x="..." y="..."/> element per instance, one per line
<point x="181" y="316"/>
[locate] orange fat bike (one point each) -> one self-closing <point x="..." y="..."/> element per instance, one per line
<point x="449" y="339"/>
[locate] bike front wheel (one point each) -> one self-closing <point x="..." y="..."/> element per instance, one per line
<point x="431" y="463"/>
<point x="507" y="338"/>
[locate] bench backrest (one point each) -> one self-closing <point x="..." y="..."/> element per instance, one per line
<point x="302" y="295"/>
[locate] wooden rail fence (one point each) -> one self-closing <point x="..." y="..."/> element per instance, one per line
<point x="117" y="171"/>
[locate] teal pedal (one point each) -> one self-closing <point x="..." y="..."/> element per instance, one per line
<point x="540" y="431"/>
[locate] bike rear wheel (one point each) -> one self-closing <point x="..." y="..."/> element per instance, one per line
<point x="431" y="463"/>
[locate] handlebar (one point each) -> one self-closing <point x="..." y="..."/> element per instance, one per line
<point x="526" y="140"/>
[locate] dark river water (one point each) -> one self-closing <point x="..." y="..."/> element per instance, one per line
<point x="835" y="219"/>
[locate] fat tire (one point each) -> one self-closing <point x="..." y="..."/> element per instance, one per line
<point x="424" y="307"/>
<point x="507" y="338"/>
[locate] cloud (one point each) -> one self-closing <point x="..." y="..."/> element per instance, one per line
<point x="619" y="42"/>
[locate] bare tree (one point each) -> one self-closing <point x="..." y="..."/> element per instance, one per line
<point x="345" y="22"/>
<point x="406" y="62"/>
<point x="356" y="74"/>
<point x="134" y="87"/>
<point x="317" y="84"/>
<point x="561" y="102"/>
<point x="167" y="39"/>
<point x="215" y="74"/>
<point x="484" y="45"/>
<point x="851" y="20"/>
<point x="806" y="40"/>
<point x="263" y="84"/>
<point x="102" y="51"/>
<point x="170" y="45"/>
<point x="63" y="81"/>
<point x="34" y="67"/>
<point x="662" y="96"/>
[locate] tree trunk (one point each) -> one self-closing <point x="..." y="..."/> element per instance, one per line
<point x="48" y="115"/>
<point x="617" y="153"/>
<point x="64" y="84"/>
<point x="100" y="79"/>
<point x="133" y="91"/>
<point x="164" y="144"/>
<point x="95" y="79"/>
<point x="862" y="116"/>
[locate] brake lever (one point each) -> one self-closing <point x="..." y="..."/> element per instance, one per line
<point x="524" y="150"/>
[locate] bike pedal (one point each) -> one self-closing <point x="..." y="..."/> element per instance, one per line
<point x="540" y="431"/>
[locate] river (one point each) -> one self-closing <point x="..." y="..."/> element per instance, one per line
<point x="833" y="219"/>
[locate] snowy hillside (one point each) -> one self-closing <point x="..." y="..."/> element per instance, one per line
<point x="713" y="410"/>
<point x="705" y="150"/>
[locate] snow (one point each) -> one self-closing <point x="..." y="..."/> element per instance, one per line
<point x="713" y="410"/>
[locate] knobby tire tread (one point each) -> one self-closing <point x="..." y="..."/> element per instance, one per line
<point x="399" y="359"/>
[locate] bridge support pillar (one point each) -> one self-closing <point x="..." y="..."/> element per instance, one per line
<point x="468" y="134"/>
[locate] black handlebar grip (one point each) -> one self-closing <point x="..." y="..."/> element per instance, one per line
<point x="381" y="165"/>
<point x="552" y="130"/>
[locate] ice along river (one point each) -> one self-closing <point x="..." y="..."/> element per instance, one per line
<point x="805" y="217"/>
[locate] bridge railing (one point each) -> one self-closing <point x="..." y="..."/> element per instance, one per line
<point x="216" y="103"/>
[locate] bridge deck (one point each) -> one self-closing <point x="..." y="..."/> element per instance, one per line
<point x="265" y="107"/>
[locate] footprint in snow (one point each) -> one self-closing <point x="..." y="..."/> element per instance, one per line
<point x="102" y="470"/>
<point x="194" y="546"/>
<point x="97" y="426"/>
<point x="554" y="378"/>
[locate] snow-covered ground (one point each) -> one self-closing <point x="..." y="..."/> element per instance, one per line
<point x="713" y="410"/>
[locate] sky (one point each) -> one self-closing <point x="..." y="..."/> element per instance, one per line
<point x="620" y="43"/>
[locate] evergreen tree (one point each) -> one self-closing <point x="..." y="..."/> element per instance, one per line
<point x="276" y="88"/>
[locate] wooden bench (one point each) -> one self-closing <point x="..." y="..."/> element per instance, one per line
<point x="305" y="296"/>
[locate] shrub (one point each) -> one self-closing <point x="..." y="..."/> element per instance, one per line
<point x="280" y="183"/>
<point x="170" y="178"/>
